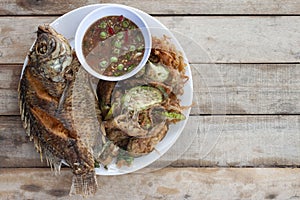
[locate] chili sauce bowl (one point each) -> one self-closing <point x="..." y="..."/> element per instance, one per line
<point x="113" y="42"/>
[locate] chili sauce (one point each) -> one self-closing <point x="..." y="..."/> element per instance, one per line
<point x="113" y="45"/>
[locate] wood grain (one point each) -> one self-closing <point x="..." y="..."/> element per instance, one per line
<point x="238" y="141"/>
<point x="207" y="39"/>
<point x="218" y="89"/>
<point x="169" y="183"/>
<point x="31" y="7"/>
<point x="230" y="141"/>
<point x="17" y="35"/>
<point x="227" y="43"/>
<point x="246" y="89"/>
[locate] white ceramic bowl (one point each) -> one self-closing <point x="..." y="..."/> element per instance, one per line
<point x="112" y="10"/>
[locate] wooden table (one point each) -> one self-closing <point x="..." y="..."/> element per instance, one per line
<point x="248" y="140"/>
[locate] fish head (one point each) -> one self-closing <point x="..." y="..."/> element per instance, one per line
<point x="51" y="54"/>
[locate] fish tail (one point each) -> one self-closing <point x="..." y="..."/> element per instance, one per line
<point x="84" y="184"/>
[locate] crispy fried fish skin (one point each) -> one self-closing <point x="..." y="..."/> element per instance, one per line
<point x="45" y="99"/>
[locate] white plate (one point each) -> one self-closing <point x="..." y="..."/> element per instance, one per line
<point x="67" y="26"/>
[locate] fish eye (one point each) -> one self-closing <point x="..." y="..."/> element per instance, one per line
<point x="41" y="47"/>
<point x="45" y="44"/>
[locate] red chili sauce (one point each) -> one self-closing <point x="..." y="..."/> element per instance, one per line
<point x="113" y="45"/>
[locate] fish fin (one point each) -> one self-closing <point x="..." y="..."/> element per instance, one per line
<point x="38" y="88"/>
<point x="23" y="106"/>
<point x="53" y="161"/>
<point x="52" y="124"/>
<point x="84" y="184"/>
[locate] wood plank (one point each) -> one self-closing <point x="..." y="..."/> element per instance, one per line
<point x="9" y="76"/>
<point x="246" y="89"/>
<point x="9" y="102"/>
<point x="235" y="141"/>
<point x="29" y="7"/>
<point x="169" y="183"/>
<point x="218" y="89"/>
<point x="240" y="39"/>
<point x="16" y="149"/>
<point x="206" y="39"/>
<point x="17" y="35"/>
<point x="9" y="80"/>
<point x="238" y="141"/>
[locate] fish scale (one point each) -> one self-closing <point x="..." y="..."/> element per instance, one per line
<point x="59" y="110"/>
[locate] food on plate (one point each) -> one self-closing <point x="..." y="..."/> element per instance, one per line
<point x="113" y="45"/>
<point x="47" y="106"/>
<point x="137" y="112"/>
<point x="85" y="127"/>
